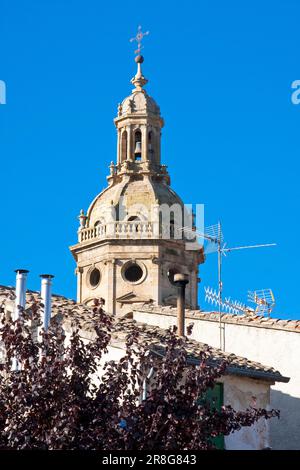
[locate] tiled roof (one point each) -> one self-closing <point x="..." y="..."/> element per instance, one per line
<point x="60" y="304"/>
<point x="256" y="320"/>
<point x="152" y="335"/>
<point x="156" y="337"/>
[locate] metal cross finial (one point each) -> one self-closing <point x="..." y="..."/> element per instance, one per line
<point x="138" y="38"/>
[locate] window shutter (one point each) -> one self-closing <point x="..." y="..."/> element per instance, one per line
<point x="215" y="397"/>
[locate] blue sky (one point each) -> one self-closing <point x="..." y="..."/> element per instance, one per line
<point x="221" y="73"/>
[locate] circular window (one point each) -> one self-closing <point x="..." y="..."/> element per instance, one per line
<point x="94" y="277"/>
<point x="134" y="272"/>
<point x="171" y="274"/>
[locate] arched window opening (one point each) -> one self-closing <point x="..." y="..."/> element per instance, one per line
<point x="98" y="222"/>
<point x="160" y="222"/>
<point x="150" y="144"/>
<point x="137" y="146"/>
<point x="172" y="228"/>
<point x="167" y="225"/>
<point x="124" y="146"/>
<point x="134" y="218"/>
<point x="99" y="227"/>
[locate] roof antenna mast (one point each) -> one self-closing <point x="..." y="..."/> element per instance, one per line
<point x="213" y="234"/>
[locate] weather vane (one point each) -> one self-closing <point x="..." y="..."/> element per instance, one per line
<point x="138" y="38"/>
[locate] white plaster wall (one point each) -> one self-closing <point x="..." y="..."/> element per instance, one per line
<point x="239" y="393"/>
<point x="277" y="348"/>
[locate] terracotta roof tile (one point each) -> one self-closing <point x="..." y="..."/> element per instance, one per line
<point x="257" y="320"/>
<point x="148" y="333"/>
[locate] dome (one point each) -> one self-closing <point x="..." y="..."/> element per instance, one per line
<point x="139" y="103"/>
<point x="136" y="197"/>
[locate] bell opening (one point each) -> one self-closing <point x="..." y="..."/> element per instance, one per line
<point x="138" y="146"/>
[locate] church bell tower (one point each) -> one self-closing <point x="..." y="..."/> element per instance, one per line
<point x="130" y="241"/>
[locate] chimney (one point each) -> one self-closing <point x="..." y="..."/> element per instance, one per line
<point x="20" y="301"/>
<point x="46" y="298"/>
<point x="181" y="280"/>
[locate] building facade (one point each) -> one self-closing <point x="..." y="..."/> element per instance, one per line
<point x="265" y="340"/>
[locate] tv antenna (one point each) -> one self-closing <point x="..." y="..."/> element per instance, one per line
<point x="229" y="305"/>
<point x="263" y="299"/>
<point x="214" y="235"/>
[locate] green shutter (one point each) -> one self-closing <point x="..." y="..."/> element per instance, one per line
<point x="214" y="396"/>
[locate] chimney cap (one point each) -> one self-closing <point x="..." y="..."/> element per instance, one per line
<point x="46" y="276"/>
<point x="21" y="271"/>
<point x="180" y="278"/>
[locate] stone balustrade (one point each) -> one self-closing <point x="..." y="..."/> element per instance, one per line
<point x="136" y="229"/>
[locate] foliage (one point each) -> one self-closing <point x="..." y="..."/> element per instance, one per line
<point x="58" y="399"/>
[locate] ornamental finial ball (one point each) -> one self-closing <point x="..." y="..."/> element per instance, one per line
<point x="139" y="59"/>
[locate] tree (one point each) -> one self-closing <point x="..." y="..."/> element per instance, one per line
<point x="58" y="399"/>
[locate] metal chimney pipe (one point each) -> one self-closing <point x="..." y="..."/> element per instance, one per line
<point x="20" y="301"/>
<point x="46" y="298"/>
<point x="181" y="280"/>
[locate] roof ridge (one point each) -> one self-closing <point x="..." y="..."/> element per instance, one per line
<point x="256" y="320"/>
<point x="30" y="291"/>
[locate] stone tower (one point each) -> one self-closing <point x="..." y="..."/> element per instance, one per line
<point x="129" y="243"/>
